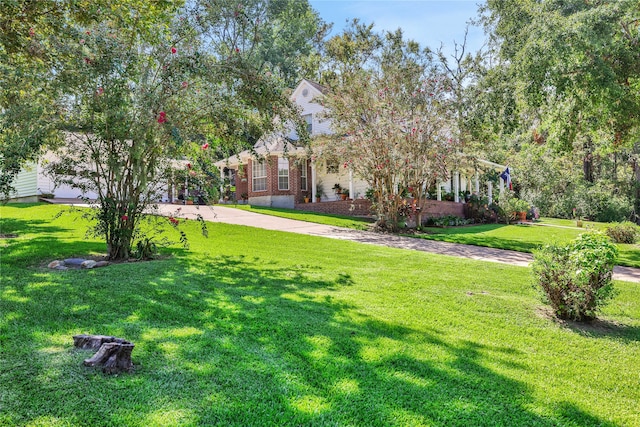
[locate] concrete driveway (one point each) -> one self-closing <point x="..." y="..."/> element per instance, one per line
<point x="227" y="215"/>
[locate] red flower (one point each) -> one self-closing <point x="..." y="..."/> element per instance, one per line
<point x="100" y="91"/>
<point x="124" y="217"/>
<point x="173" y="50"/>
<point x="185" y="85"/>
<point x="87" y="61"/>
<point x="32" y="32"/>
<point x="162" y="117"/>
<point x="173" y="221"/>
<point x="188" y="165"/>
<point x="88" y="33"/>
<point x="205" y="146"/>
<point x="237" y="49"/>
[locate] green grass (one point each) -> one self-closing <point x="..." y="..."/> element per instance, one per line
<point x="317" y="218"/>
<point x="526" y="238"/>
<point x="520" y="238"/>
<point x="255" y="327"/>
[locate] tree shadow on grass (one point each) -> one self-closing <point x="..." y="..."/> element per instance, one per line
<point x="240" y="341"/>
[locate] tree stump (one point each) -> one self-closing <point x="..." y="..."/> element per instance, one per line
<point x="114" y="354"/>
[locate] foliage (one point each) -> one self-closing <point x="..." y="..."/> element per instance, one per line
<point x="387" y="107"/>
<point x="625" y="232"/>
<point x="33" y="50"/>
<point x="572" y="70"/>
<point x="130" y="104"/>
<point x="510" y="205"/>
<point x="480" y="211"/>
<point x="447" y="221"/>
<point x="576" y="278"/>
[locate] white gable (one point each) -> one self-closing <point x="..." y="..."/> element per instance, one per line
<point x="306" y="95"/>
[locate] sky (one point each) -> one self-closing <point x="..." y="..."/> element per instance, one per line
<point x="432" y="23"/>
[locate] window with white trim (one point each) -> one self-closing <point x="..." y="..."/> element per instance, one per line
<point x="303" y="176"/>
<point x="283" y="174"/>
<point x="259" y="175"/>
<point x="308" y="118"/>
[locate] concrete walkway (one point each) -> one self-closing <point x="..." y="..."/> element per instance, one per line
<point x="240" y="217"/>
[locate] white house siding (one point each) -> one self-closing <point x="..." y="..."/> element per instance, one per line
<point x="26" y="185"/>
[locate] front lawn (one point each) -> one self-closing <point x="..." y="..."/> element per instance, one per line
<point x="255" y="327"/>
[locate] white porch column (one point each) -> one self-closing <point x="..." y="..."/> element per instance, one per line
<point x="456" y="187"/>
<point x="221" y="183"/>
<point x="501" y="182"/>
<point x="439" y="192"/>
<point x="351" y="195"/>
<point x="477" y="183"/>
<point x="313" y="182"/>
<point x="490" y="192"/>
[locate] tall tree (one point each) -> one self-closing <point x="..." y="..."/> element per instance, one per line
<point x="32" y="44"/>
<point x="576" y="71"/>
<point x="132" y="104"/>
<point x="387" y="106"/>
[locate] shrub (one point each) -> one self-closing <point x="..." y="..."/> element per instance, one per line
<point x="624" y="232"/>
<point x="576" y="278"/>
<point x="480" y="211"/>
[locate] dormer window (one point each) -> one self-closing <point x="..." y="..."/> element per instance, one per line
<point x="305" y="92"/>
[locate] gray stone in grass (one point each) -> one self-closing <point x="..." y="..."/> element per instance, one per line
<point x="101" y="264"/>
<point x="74" y="261"/>
<point x="61" y="267"/>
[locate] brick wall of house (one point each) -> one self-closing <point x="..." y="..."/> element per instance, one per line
<point x="362" y="207"/>
<point x="272" y="180"/>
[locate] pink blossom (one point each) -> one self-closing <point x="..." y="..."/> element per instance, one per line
<point x="162" y="117"/>
<point x="124" y="217"/>
<point x="100" y="91"/>
<point x="81" y="41"/>
<point x="205" y="146"/>
<point x="174" y="50"/>
<point x="32" y="32"/>
<point x="185" y="85"/>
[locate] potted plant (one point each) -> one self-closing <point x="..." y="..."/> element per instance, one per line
<point x="319" y="192"/>
<point x="520" y="207"/>
<point x="307" y="198"/>
<point x="344" y="194"/>
<point x="337" y="188"/>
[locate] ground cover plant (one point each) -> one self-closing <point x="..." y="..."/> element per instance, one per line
<point x="314" y="332"/>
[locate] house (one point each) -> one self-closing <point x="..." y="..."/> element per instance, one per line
<point x="32" y="183"/>
<point x="280" y="173"/>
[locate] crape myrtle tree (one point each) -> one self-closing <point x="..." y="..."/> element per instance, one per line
<point x="135" y="100"/>
<point x="32" y="40"/>
<point x="574" y="67"/>
<point x="387" y="104"/>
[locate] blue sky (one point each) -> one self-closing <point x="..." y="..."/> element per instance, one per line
<point x="430" y="22"/>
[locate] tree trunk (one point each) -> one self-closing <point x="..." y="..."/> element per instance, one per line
<point x="114" y="354"/>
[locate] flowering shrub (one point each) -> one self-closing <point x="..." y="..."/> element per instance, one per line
<point x="576" y="278"/>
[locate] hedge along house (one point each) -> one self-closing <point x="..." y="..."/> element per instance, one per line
<point x="278" y="172"/>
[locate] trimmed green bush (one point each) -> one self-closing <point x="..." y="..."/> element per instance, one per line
<point x="624" y="232"/>
<point x="576" y="278"/>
